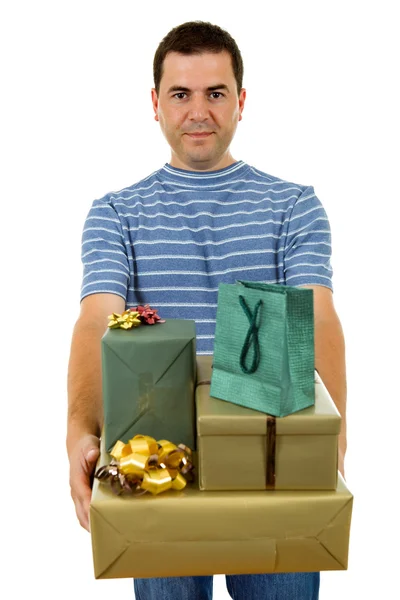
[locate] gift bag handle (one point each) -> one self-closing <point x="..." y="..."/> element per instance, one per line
<point x="251" y="337"/>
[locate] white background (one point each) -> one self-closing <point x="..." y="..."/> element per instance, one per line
<point x="77" y="122"/>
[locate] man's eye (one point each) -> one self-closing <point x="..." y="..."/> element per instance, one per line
<point x="216" y="95"/>
<point x="180" y="95"/>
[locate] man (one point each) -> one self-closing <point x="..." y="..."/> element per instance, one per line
<point x="170" y="239"/>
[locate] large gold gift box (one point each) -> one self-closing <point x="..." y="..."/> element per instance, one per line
<point x="190" y="532"/>
<point x="243" y="449"/>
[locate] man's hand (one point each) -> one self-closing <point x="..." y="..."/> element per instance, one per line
<point x="341" y="464"/>
<point x="83" y="460"/>
<point x="330" y="357"/>
<point x="342" y="453"/>
<point x="85" y="408"/>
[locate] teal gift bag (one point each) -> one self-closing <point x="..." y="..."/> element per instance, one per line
<point x="264" y="347"/>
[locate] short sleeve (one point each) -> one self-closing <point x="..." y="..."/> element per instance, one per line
<point x="308" y="249"/>
<point x="104" y="257"/>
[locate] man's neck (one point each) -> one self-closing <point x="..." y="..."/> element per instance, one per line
<point x="203" y="167"/>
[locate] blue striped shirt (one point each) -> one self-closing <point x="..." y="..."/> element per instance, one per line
<point x="170" y="239"/>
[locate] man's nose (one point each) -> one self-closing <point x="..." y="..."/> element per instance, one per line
<point x="198" y="108"/>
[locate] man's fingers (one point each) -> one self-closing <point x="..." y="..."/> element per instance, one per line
<point x="86" y="510"/>
<point x="90" y="463"/>
<point x="92" y="455"/>
<point x="82" y="465"/>
<point x="83" y="514"/>
<point x="80" y="479"/>
<point x="81" y="492"/>
<point x="82" y="498"/>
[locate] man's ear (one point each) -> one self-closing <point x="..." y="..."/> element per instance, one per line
<point x="242" y="98"/>
<point x="154" y="99"/>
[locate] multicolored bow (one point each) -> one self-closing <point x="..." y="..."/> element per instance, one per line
<point x="134" y="317"/>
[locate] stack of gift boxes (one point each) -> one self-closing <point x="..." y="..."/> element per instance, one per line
<point x="266" y="496"/>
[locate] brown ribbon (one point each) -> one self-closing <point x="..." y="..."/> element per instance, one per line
<point x="270" y="452"/>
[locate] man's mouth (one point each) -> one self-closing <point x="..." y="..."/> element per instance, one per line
<point x="200" y="135"/>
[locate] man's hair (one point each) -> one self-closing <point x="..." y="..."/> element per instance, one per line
<point x="196" y="37"/>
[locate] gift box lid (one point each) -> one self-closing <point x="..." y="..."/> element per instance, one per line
<point x="219" y="417"/>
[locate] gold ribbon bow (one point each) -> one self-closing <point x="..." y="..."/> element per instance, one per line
<point x="144" y="465"/>
<point x="128" y="319"/>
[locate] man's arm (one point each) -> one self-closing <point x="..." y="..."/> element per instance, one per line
<point x="85" y="407"/>
<point x="330" y="356"/>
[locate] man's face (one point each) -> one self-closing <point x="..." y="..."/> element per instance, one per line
<point x="198" y="108"/>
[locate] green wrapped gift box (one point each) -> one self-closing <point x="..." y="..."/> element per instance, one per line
<point x="148" y="382"/>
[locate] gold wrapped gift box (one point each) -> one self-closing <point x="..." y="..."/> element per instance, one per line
<point x="235" y="452"/>
<point x="190" y="532"/>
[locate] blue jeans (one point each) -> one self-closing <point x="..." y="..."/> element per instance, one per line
<point x="274" y="586"/>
